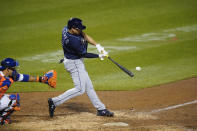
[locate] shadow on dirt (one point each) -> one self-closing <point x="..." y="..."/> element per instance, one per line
<point x="77" y="107"/>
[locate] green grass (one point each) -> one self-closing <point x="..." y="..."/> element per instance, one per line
<point x="30" y="31"/>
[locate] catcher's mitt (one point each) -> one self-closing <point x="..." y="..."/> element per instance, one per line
<point x="50" y="78"/>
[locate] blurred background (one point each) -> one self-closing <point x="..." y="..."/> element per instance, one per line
<point x="159" y="36"/>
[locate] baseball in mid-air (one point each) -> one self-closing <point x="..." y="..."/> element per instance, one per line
<point x="138" y="68"/>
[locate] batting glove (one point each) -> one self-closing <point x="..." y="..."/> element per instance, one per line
<point x="99" y="48"/>
<point x="103" y="55"/>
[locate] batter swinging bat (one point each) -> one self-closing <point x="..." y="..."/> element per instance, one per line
<point x="122" y="68"/>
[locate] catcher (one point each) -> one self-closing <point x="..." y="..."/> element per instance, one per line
<point x="8" y="75"/>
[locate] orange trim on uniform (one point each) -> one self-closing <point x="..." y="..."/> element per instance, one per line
<point x="3" y="90"/>
<point x="12" y="81"/>
<point x="1" y="80"/>
<point x="37" y="79"/>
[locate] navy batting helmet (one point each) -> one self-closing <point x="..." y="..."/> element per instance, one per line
<point x="8" y="63"/>
<point x="75" y="23"/>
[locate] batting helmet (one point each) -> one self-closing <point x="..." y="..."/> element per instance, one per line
<point x="75" y="23"/>
<point x="8" y="63"/>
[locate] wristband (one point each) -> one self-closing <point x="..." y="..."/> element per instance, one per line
<point x="40" y="79"/>
<point x="37" y="78"/>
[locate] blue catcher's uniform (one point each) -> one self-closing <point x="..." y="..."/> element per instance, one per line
<point x="8" y="75"/>
<point x="9" y="103"/>
<point x="5" y="83"/>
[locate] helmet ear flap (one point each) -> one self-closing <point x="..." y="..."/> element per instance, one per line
<point x="3" y="63"/>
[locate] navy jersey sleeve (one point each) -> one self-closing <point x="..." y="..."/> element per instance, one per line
<point x="90" y="55"/>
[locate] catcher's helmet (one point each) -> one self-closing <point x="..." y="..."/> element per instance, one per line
<point x="8" y="63"/>
<point x="75" y="23"/>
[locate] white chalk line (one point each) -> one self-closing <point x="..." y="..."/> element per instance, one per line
<point x="164" y="35"/>
<point x="148" y="37"/>
<point x="173" y="107"/>
<point x="183" y="29"/>
<point x="49" y="57"/>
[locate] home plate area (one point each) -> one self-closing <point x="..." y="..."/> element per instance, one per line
<point x="123" y="120"/>
<point x="169" y="107"/>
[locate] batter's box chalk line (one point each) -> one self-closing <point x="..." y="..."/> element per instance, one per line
<point x="173" y="107"/>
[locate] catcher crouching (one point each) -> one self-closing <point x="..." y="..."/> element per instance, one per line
<point x="8" y="75"/>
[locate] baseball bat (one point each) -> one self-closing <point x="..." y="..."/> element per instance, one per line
<point x="122" y="68"/>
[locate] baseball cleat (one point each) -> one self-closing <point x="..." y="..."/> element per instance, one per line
<point x="105" y="112"/>
<point x="6" y="121"/>
<point x="51" y="107"/>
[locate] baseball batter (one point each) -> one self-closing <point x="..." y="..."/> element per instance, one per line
<point x="8" y="75"/>
<point x="74" y="43"/>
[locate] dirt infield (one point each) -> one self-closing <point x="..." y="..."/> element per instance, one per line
<point x="169" y="107"/>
